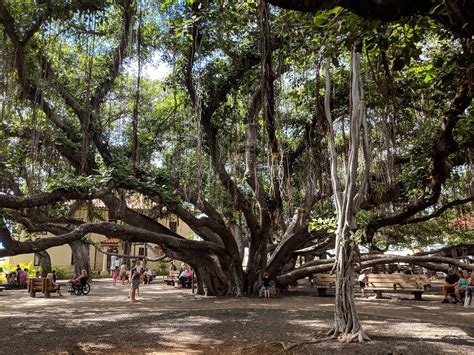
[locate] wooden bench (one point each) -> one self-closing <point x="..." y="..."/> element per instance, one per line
<point x="42" y="285"/>
<point x="379" y="283"/>
<point x="399" y="283"/>
<point x="172" y="278"/>
<point x="324" y="282"/>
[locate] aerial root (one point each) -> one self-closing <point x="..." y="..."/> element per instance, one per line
<point x="360" y="336"/>
<point x="291" y="345"/>
<point x="333" y="333"/>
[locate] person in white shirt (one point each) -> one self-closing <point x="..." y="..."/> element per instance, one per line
<point x="135" y="273"/>
<point x="363" y="280"/>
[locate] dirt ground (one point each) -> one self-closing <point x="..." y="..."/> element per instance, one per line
<point x="170" y="320"/>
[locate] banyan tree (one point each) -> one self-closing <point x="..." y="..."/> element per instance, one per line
<point x="287" y="134"/>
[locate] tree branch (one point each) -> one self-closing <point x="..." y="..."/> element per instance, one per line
<point x="46" y="198"/>
<point x="107" y="229"/>
<point x="438" y="212"/>
<point x="323" y="266"/>
<point x="456" y="15"/>
<point x="104" y="87"/>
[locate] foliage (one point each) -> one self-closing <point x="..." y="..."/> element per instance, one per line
<point x="411" y="71"/>
<point x="7" y="268"/>
<point x="61" y="273"/>
<point x="329" y="224"/>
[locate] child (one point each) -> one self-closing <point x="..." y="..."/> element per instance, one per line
<point x="115" y="275"/>
<point x="266" y="285"/>
<point x="363" y="280"/>
<point x="123" y="273"/>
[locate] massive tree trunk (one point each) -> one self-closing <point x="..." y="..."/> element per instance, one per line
<point x="212" y="280"/>
<point x="257" y="262"/>
<point x="80" y="255"/>
<point x="45" y="262"/>
<point x="239" y="239"/>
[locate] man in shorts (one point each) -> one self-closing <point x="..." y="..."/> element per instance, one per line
<point x="450" y="284"/>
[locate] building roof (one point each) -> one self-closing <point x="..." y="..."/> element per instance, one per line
<point x="109" y="241"/>
<point x="464" y="222"/>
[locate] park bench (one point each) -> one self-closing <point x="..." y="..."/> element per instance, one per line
<point x="324" y="282"/>
<point x="379" y="283"/>
<point x="172" y="278"/>
<point x="42" y="285"/>
<point x="399" y="283"/>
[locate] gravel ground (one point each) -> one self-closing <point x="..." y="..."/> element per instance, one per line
<point x="169" y="320"/>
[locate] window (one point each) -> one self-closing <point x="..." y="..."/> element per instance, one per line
<point x="72" y="259"/>
<point x="173" y="226"/>
<point x="141" y="251"/>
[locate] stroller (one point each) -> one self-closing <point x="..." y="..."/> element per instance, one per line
<point x="79" y="288"/>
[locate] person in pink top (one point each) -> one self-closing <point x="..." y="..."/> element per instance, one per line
<point x="22" y="277"/>
<point x="115" y="275"/>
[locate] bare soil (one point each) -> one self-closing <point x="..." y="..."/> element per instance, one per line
<point x="170" y="320"/>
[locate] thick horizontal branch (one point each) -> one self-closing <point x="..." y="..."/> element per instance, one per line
<point x="316" y="248"/>
<point x="323" y="266"/>
<point x="384" y="10"/>
<point x="439" y="211"/>
<point x="464" y="249"/>
<point x="127" y="256"/>
<point x="456" y="15"/>
<point x="13" y="247"/>
<point x="46" y="198"/>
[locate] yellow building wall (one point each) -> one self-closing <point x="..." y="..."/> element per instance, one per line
<point x="61" y="257"/>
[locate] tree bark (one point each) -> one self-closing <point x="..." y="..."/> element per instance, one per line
<point x="80" y="255"/>
<point x="346" y="321"/>
<point x="257" y="262"/>
<point x="45" y="262"/>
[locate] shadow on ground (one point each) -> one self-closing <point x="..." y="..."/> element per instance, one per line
<point x="173" y="320"/>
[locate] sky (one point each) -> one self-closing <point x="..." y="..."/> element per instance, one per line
<point x="154" y="70"/>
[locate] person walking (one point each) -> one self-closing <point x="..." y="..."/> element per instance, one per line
<point x="115" y="275"/>
<point x="135" y="273"/>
